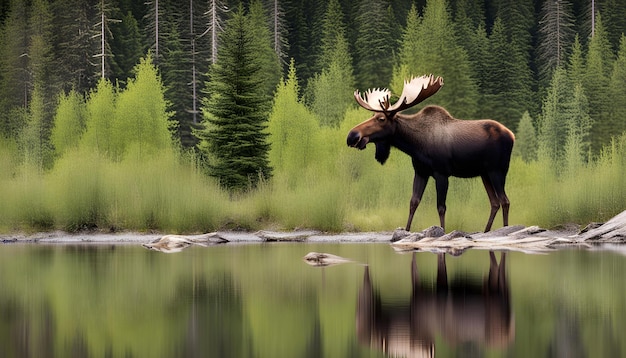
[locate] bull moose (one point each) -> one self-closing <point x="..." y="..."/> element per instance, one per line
<point x="439" y="145"/>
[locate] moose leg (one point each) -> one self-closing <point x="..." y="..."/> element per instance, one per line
<point x="497" y="182"/>
<point x="493" y="199"/>
<point x="419" y="184"/>
<point x="442" y="193"/>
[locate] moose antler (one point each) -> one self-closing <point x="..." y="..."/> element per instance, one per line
<point x="416" y="90"/>
<point x="373" y="99"/>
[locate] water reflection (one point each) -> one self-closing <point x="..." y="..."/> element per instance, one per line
<point x="467" y="311"/>
<point x="264" y="301"/>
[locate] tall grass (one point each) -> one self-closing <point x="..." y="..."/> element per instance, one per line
<point x="344" y="189"/>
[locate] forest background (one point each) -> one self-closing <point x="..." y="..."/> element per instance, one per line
<point x="118" y="115"/>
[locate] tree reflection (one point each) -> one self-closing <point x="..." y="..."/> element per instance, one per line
<point x="461" y="312"/>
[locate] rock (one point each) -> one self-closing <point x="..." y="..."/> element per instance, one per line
<point x="324" y="259"/>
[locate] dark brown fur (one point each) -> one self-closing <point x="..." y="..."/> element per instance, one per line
<point x="441" y="146"/>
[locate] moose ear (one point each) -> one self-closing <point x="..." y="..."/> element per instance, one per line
<point x="383" y="149"/>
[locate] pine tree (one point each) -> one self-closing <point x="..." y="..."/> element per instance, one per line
<point x="555" y="34"/>
<point x="565" y="124"/>
<point x="15" y="80"/>
<point x="430" y="46"/>
<point x="599" y="63"/>
<point x="175" y="76"/>
<point x="278" y="26"/>
<point x="617" y="90"/>
<point x="35" y="139"/>
<point x="504" y="95"/>
<point x="234" y="140"/>
<point x="333" y="27"/>
<point x="578" y="126"/>
<point x="126" y="45"/>
<point x="271" y="68"/>
<point x="74" y="44"/>
<point x="575" y="64"/>
<point x="374" y="45"/>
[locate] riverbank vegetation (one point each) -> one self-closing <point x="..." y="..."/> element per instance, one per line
<point x="123" y="153"/>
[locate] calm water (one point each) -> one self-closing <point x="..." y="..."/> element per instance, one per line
<point x="263" y="300"/>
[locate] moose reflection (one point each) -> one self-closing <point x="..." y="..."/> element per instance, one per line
<point x="459" y="312"/>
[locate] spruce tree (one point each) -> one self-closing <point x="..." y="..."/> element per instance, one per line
<point x="430" y="46"/>
<point x="554" y="118"/>
<point x="504" y="96"/>
<point x="374" y="45"/>
<point x="15" y="80"/>
<point x="234" y="138"/>
<point x="74" y="45"/>
<point x="599" y="63"/>
<point x="555" y="36"/>
<point x="126" y="45"/>
<point x="271" y="67"/>
<point x="617" y="90"/>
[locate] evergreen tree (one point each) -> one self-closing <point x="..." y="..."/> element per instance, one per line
<point x="504" y="95"/>
<point x="576" y="65"/>
<point x="555" y="36"/>
<point x="373" y="45"/>
<point x="126" y="45"/>
<point x="553" y="120"/>
<point x="526" y="139"/>
<point x="278" y="30"/>
<point x="74" y="44"/>
<point x="578" y="126"/>
<point x="234" y="140"/>
<point x="430" y="46"/>
<point x="304" y="35"/>
<point x="565" y="124"/>
<point x="175" y="76"/>
<point x="271" y="68"/>
<point x="35" y="139"/>
<point x="15" y="79"/>
<point x="214" y="21"/>
<point x="614" y="16"/>
<point x="599" y="63"/>
<point x="617" y="90"/>
<point x="333" y="27"/>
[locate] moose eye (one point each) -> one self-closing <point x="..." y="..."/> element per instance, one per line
<point x="381" y="119"/>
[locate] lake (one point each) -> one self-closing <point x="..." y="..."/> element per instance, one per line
<point x="264" y="300"/>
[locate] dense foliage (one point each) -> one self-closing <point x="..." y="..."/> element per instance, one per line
<point x="112" y="85"/>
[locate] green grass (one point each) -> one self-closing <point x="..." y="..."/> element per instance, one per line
<point x="348" y="191"/>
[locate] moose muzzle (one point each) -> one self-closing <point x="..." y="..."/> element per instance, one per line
<point x="355" y="140"/>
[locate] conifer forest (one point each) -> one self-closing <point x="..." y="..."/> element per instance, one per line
<point x="198" y="115"/>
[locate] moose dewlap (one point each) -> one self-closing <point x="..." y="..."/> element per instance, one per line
<point x="439" y="145"/>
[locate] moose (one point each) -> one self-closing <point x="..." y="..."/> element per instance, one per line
<point x="439" y="145"/>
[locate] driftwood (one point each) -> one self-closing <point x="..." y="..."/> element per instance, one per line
<point x="513" y="238"/>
